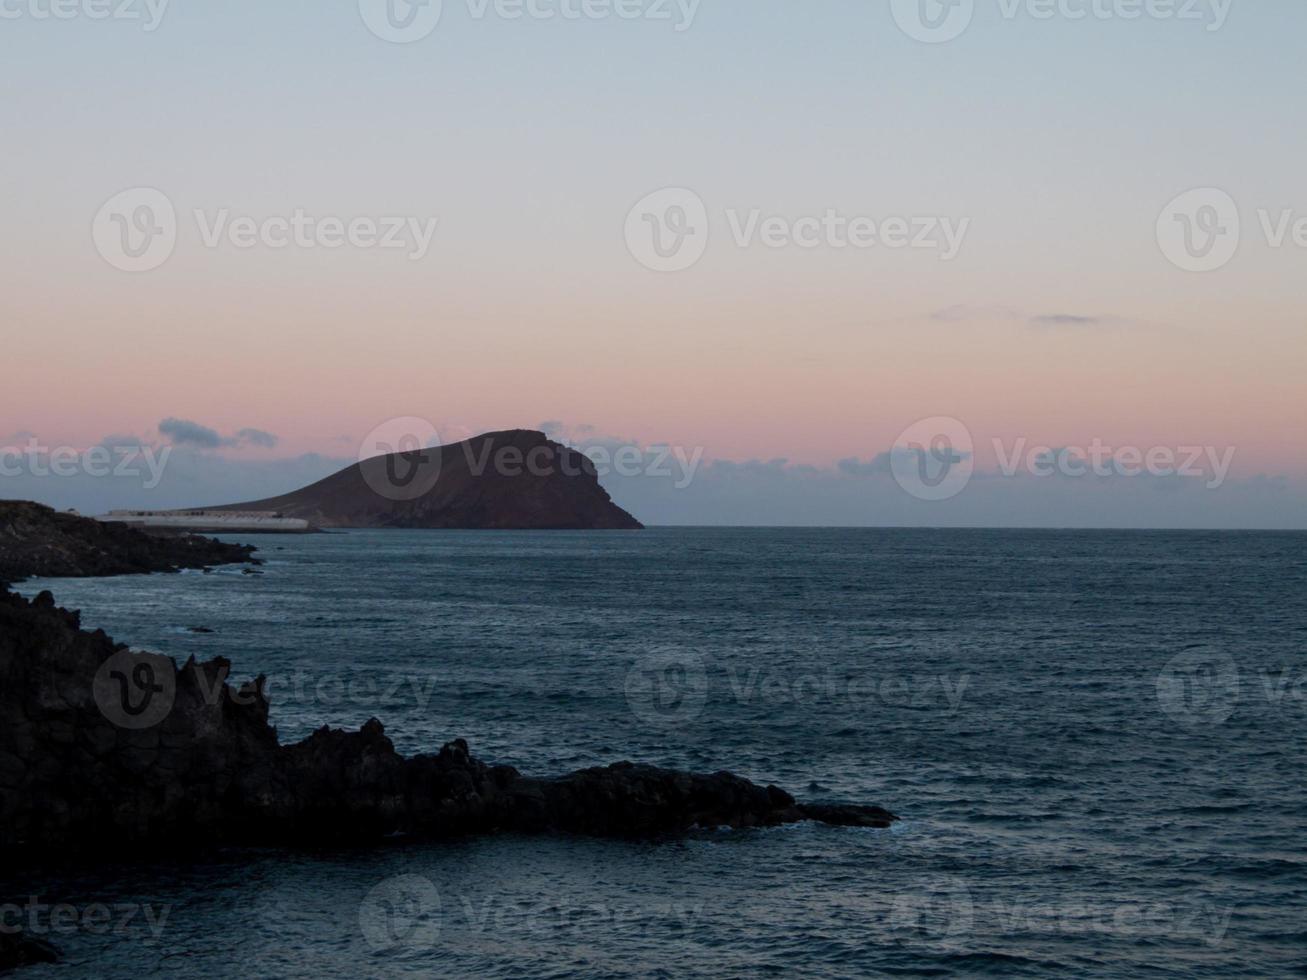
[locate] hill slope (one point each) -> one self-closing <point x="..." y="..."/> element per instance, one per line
<point x="515" y="480"/>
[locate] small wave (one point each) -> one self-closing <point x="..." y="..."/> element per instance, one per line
<point x="980" y="963"/>
<point x="1015" y="817"/>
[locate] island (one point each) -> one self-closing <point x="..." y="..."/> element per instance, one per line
<point x="514" y="480"/>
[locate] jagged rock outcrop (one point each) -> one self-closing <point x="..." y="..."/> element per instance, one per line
<point x="18" y="949"/>
<point x="36" y="540"/>
<point x="98" y="742"/>
<point x="514" y="480"/>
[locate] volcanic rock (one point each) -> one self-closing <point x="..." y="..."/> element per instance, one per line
<point x="37" y="541"/>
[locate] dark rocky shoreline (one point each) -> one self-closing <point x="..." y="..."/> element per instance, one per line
<point x="39" y="542"/>
<point x="99" y="742"/>
<point x="97" y="739"/>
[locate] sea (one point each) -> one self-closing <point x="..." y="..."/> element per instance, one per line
<point x="1095" y="741"/>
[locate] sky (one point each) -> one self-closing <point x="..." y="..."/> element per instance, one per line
<point x="791" y="241"/>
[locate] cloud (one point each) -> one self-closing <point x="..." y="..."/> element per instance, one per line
<point x="963" y="313"/>
<point x="855" y="493"/>
<point x="882" y="464"/>
<point x="878" y="465"/>
<point x="17" y="438"/>
<point x="181" y="432"/>
<point x="759" y="467"/>
<point x="852" y="492"/>
<point x="575" y="434"/>
<point x="188" y="477"/>
<point x="188" y="434"/>
<point x="1052" y="320"/>
<point x="257" y="437"/>
<point x="122" y="442"/>
<point x="1067" y="320"/>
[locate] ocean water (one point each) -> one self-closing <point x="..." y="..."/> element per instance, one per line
<point x="1095" y="740"/>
